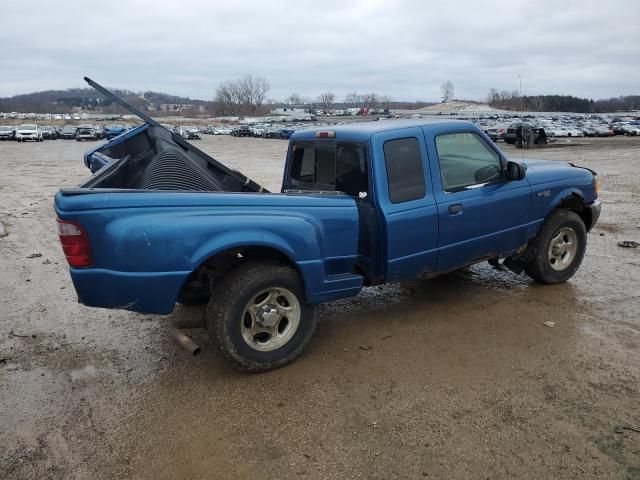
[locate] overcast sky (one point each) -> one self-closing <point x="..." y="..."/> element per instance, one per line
<point x="403" y="49"/>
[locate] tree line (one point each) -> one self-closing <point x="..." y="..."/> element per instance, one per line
<point x="512" y="100"/>
<point x="247" y="95"/>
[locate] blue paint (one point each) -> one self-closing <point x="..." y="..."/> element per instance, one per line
<point x="144" y="244"/>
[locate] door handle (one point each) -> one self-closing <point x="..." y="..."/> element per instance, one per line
<point x="455" y="209"/>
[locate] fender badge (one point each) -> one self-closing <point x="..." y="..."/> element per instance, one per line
<point x="544" y="193"/>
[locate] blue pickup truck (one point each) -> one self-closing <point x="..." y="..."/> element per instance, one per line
<point x="161" y="222"/>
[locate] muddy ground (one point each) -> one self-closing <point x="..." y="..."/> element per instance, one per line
<point x="454" y="377"/>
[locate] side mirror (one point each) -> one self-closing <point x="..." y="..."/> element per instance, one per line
<point x="515" y="171"/>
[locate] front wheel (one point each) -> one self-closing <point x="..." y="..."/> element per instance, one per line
<point x="558" y="249"/>
<point x="258" y="316"/>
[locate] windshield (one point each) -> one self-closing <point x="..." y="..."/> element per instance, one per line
<point x="115" y="127"/>
<point x="5" y="129"/>
<point x="69" y="129"/>
<point x="27" y="127"/>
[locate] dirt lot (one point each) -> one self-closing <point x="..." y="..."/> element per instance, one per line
<point x="454" y="377"/>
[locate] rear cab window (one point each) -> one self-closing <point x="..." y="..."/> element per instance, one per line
<point x="330" y="166"/>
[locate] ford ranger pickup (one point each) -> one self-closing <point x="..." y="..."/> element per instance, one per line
<point x="161" y="222"/>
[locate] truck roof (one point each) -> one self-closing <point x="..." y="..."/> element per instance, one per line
<point x="361" y="131"/>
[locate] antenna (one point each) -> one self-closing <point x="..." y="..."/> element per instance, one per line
<point x="524" y="143"/>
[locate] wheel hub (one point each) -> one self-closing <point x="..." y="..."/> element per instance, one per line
<point x="563" y="248"/>
<point x="268" y="316"/>
<point x="559" y="248"/>
<point x="270" y="319"/>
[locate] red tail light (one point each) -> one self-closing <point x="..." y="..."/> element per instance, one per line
<point x="75" y="243"/>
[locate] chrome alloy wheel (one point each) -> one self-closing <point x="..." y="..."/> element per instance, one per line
<point x="270" y="319"/>
<point x="562" y="248"/>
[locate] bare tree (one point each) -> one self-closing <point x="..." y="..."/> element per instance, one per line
<point x="294" y="99"/>
<point x="493" y="96"/>
<point x="244" y="95"/>
<point x="370" y="100"/>
<point x="353" y="99"/>
<point x="447" y="91"/>
<point x="326" y="99"/>
<point x="385" y="102"/>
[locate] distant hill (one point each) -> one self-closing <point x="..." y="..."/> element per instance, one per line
<point x="87" y="99"/>
<point x="458" y="106"/>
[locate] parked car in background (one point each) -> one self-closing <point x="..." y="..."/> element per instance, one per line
<point x="68" y="132"/>
<point x="603" y="131"/>
<point x="6" y="132"/>
<point x="285" y="133"/>
<point x="189" y="133"/>
<point x="112" y="131"/>
<point x="241" y="131"/>
<point x="193" y="133"/>
<point x="271" y="132"/>
<point x="495" y="133"/>
<point x="85" y="132"/>
<point x="28" y="132"/>
<point x="99" y="131"/>
<point x="257" y="130"/>
<point x="49" y="133"/>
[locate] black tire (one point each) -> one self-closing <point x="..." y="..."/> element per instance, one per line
<point x="540" y="267"/>
<point x="226" y="314"/>
<point x="194" y="296"/>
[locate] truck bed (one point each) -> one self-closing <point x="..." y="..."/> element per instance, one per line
<point x="154" y="158"/>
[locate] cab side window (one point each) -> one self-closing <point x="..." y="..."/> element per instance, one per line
<point x="405" y="173"/>
<point x="466" y="160"/>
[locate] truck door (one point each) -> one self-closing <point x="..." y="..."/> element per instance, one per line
<point x="407" y="206"/>
<point x="481" y="214"/>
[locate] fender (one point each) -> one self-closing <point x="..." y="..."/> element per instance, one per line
<point x="246" y="238"/>
<point x="564" y="194"/>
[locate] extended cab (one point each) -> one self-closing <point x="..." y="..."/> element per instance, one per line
<point x="161" y="222"/>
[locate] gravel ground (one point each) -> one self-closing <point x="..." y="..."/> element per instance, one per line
<point x="453" y="377"/>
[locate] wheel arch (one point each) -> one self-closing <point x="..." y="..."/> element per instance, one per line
<point x="220" y="262"/>
<point x="574" y="202"/>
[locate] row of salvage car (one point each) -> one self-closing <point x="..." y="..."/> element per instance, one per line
<point x="568" y="126"/>
<point x="266" y="130"/>
<point x="37" y="133"/>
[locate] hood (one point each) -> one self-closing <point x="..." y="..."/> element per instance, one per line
<point x="542" y="171"/>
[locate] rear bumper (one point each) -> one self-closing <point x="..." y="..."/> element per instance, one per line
<point x="147" y="292"/>
<point x="594" y="210"/>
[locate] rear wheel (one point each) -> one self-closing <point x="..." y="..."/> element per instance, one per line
<point x="258" y="317"/>
<point x="558" y="249"/>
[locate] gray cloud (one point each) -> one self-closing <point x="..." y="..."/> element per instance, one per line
<point x="403" y="49"/>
